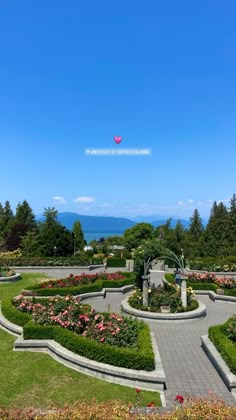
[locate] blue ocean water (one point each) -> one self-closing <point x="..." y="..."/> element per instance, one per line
<point x="90" y="236"/>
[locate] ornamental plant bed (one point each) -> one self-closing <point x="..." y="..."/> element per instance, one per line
<point x="6" y="272"/>
<point x="224" y="338"/>
<point x="104" y="337"/>
<point x="84" y="283"/>
<point x="159" y="297"/>
<point x="211" y="281"/>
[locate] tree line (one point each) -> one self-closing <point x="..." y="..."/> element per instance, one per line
<point x="216" y="239"/>
<point x="50" y="238"/>
<point x="37" y="238"/>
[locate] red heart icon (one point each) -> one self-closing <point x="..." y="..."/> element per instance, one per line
<point x="117" y="139"/>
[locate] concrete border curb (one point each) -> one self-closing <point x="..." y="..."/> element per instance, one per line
<point x="153" y="380"/>
<point x="9" y="326"/>
<point x="10" y="279"/>
<point x="197" y="313"/>
<point x="218" y="362"/>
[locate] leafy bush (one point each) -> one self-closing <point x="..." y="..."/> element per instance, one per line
<point x="12" y="314"/>
<point x="202" y="286"/>
<point x="116" y="262"/>
<point x="225" y="346"/>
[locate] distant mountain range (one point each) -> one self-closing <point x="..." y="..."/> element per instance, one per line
<point x="97" y="224"/>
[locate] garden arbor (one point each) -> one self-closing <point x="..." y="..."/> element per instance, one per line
<point x="146" y="255"/>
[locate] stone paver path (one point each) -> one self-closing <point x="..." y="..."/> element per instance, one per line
<point x="188" y="369"/>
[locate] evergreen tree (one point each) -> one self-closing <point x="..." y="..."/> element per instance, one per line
<point x="6" y="223"/>
<point x="232" y="225"/>
<point x="79" y="241"/>
<point x="195" y="235"/>
<point x="24" y="221"/>
<point x="25" y="216"/>
<point x="217" y="230"/>
<point x="53" y="238"/>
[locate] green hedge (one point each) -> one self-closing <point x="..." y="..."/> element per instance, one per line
<point x="97" y="286"/>
<point x="224" y="345"/>
<point x="202" y="286"/>
<point x="141" y="358"/>
<point x="230" y="292"/>
<point x="116" y="262"/>
<point x="12" y="314"/>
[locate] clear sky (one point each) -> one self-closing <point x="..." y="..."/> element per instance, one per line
<point x="161" y="74"/>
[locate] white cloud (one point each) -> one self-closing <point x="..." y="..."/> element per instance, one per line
<point x="180" y="203"/>
<point x="59" y="199"/>
<point x="107" y="205"/>
<point x="190" y="200"/>
<point x="84" y="199"/>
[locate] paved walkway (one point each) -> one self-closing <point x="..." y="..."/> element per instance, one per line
<point x="188" y="369"/>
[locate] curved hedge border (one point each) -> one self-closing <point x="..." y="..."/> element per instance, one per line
<point x="223" y="344"/>
<point x="97" y="286"/>
<point x="140" y="358"/>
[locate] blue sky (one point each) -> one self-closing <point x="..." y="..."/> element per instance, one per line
<point x="161" y="74"/>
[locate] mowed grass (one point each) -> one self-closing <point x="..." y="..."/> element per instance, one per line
<point x="30" y="379"/>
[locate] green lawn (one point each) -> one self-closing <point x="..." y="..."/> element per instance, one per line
<point x="35" y="379"/>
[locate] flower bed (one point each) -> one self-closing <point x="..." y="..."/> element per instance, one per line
<point x="224" y="338"/>
<point x="209" y="281"/>
<point x="6" y="272"/>
<point x="159" y="296"/>
<point x="85" y="283"/>
<point x="104" y="337"/>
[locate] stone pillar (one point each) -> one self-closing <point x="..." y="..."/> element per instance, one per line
<point x="145" y="290"/>
<point x="183" y="293"/>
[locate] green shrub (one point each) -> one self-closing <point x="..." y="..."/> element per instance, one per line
<point x="116" y="262"/>
<point x="230" y="292"/>
<point x="224" y="345"/>
<point x="170" y="277"/>
<point x="202" y="286"/>
<point x="12" y="314"/>
<point x="141" y="358"/>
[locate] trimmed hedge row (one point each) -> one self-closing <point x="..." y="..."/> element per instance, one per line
<point x="230" y="292"/>
<point x="12" y="314"/>
<point x="224" y="345"/>
<point x="202" y="286"/>
<point x="140" y="358"/>
<point x="97" y="286"/>
<point x="116" y="262"/>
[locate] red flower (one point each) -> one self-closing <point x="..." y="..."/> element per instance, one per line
<point x="151" y="404"/>
<point x="138" y="390"/>
<point x="179" y="398"/>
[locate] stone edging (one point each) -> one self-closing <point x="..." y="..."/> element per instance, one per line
<point x="218" y="362"/>
<point x="197" y="313"/>
<point x="214" y="296"/>
<point x="10" y="279"/>
<point x="84" y="296"/>
<point x="153" y="381"/>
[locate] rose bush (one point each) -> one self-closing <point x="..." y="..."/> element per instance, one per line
<point x="69" y="313"/>
<point x="82" y="279"/>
